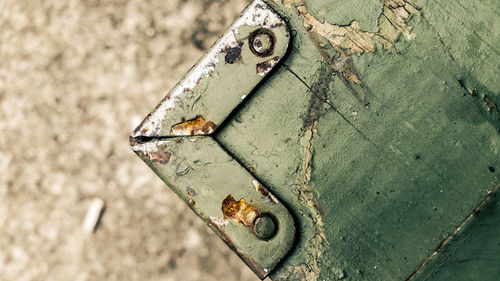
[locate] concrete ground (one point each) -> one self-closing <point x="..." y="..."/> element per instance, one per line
<point x="75" y="78"/>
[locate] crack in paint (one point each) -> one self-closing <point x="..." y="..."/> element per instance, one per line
<point x="348" y="40"/>
<point x="310" y="270"/>
<point x="452" y="235"/>
<point x="330" y="104"/>
<point x="196" y="126"/>
<point x="307" y="197"/>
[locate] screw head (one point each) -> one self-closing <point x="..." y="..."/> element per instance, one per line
<point x="265" y="227"/>
<point x="262" y="42"/>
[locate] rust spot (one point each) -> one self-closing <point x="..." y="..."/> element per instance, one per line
<point x="264" y="67"/>
<point x="233" y="54"/>
<point x="191" y="192"/>
<point x="196" y="126"/>
<point x="239" y="211"/>
<point x="159" y="157"/>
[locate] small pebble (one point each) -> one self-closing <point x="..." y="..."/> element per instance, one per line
<point x="93" y="215"/>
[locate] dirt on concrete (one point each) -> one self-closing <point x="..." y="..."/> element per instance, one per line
<point x="76" y="77"/>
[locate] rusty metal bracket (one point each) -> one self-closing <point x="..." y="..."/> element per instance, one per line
<point x="176" y="140"/>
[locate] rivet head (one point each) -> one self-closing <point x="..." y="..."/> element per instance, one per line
<point x="262" y="42"/>
<point x="265" y="227"/>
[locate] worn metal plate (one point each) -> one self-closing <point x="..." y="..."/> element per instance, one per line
<point x="387" y="139"/>
<point x="381" y="132"/>
<point x="176" y="141"/>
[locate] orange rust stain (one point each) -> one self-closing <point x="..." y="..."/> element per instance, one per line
<point x="159" y="157"/>
<point x="264" y="67"/>
<point x="196" y="126"/>
<point x="239" y="211"/>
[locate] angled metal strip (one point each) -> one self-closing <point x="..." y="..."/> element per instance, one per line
<point x="224" y="195"/>
<point x="223" y="78"/>
<point x="174" y="140"/>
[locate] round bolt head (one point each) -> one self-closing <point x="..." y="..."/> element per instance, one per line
<point x="265" y="227"/>
<point x="262" y="42"/>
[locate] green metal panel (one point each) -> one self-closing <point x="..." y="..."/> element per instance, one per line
<point x="380" y="131"/>
<point x="375" y="188"/>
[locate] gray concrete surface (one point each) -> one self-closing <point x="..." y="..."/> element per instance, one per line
<point x="75" y="78"/>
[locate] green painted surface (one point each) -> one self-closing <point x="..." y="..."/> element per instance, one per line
<point x="379" y="131"/>
<point x="202" y="174"/>
<point x="375" y="189"/>
<point x="343" y="12"/>
<point x="474" y="253"/>
<point x="470" y="32"/>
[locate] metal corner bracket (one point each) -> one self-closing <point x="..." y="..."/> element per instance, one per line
<point x="177" y="141"/>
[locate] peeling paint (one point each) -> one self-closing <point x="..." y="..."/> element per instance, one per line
<point x="218" y="222"/>
<point x="219" y="225"/>
<point x="312" y="242"/>
<point x="196" y="126"/>
<point x="289" y="3"/>
<point x="262" y="190"/>
<point x="256" y="14"/>
<point x="263" y="17"/>
<point x="233" y="54"/>
<point x="160" y="157"/>
<point x="351" y="39"/>
<point x="153" y="151"/>
<point x="264" y="67"/>
<point x="310" y="269"/>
